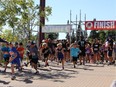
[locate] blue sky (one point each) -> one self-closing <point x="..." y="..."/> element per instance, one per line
<point x="99" y="9"/>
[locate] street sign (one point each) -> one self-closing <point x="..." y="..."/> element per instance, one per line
<point x="100" y="25"/>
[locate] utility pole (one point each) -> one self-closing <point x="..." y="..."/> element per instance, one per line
<point x="42" y="20"/>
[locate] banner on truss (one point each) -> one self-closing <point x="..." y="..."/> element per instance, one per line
<point x="100" y="25"/>
<point x="56" y="28"/>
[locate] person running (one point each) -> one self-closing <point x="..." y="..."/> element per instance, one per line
<point x="33" y="56"/>
<point x="82" y="45"/>
<point x="114" y="48"/>
<point x="96" y="50"/>
<point x="6" y="55"/>
<point x="102" y="54"/>
<point x="45" y="51"/>
<point x="1" y="54"/>
<point x="27" y="53"/>
<point x="21" y="49"/>
<point x="14" y="59"/>
<point x="74" y="51"/>
<point x="67" y="52"/>
<point x="111" y="42"/>
<point x="88" y="53"/>
<point x="16" y="44"/>
<point x="60" y="54"/>
<point x="110" y="54"/>
<point x="105" y="51"/>
<point x="51" y="47"/>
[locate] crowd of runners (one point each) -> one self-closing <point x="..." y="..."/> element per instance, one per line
<point x="60" y="51"/>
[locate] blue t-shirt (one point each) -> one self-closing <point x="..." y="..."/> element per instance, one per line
<point x="15" y="51"/>
<point x="75" y="52"/>
<point x="6" y="49"/>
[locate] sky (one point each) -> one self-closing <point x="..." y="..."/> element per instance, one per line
<point x="99" y="9"/>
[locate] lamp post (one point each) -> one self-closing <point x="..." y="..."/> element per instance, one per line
<point x="42" y="20"/>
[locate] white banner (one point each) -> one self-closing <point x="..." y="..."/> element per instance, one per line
<point x="56" y="28"/>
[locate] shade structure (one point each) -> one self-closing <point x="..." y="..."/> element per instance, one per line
<point x="2" y="40"/>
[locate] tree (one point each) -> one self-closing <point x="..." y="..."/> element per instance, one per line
<point x="53" y="36"/>
<point x="102" y="35"/>
<point x="8" y="36"/>
<point x="73" y="38"/>
<point x="21" y="16"/>
<point x="111" y="33"/>
<point x="94" y="34"/>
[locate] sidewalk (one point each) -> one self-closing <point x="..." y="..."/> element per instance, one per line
<point x="90" y="75"/>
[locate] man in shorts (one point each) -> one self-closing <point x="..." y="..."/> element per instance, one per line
<point x="6" y="55"/>
<point x="14" y="59"/>
<point x="33" y="56"/>
<point x="82" y="44"/>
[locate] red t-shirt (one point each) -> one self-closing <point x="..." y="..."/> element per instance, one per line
<point x="21" y="51"/>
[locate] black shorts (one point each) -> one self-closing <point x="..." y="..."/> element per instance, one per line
<point x="105" y="51"/>
<point x="82" y="54"/>
<point x="6" y="59"/>
<point x="74" y="58"/>
<point x="96" y="52"/>
<point x="30" y="57"/>
<point x="109" y="53"/>
<point x="35" y="61"/>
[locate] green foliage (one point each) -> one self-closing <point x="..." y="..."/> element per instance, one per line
<point x="94" y="34"/>
<point x="73" y="38"/>
<point x="53" y="36"/>
<point x="102" y="34"/>
<point x="8" y="35"/>
<point x="22" y="16"/>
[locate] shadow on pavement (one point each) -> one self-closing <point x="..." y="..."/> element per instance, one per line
<point x="95" y="65"/>
<point x="58" y="81"/>
<point x="4" y="82"/>
<point x="28" y="81"/>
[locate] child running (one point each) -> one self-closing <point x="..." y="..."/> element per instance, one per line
<point x="45" y="51"/>
<point x="60" y="54"/>
<point x="74" y="50"/>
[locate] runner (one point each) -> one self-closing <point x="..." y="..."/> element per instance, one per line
<point x="14" y="59"/>
<point x="82" y="45"/>
<point x="21" y="49"/>
<point x="45" y="53"/>
<point x="96" y="50"/>
<point x="60" y="54"/>
<point x="33" y="56"/>
<point x="114" y="48"/>
<point x="88" y="53"/>
<point x="105" y="51"/>
<point x="6" y="55"/>
<point x="74" y="51"/>
<point x="110" y="54"/>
